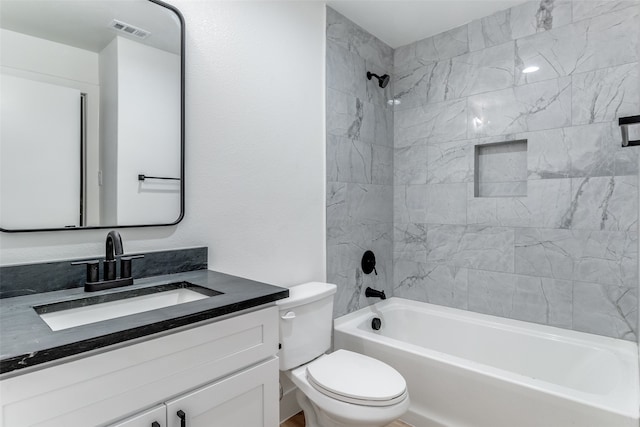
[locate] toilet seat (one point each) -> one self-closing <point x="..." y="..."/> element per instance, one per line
<point x="355" y="378"/>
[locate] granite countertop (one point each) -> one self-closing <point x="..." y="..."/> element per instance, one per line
<point x="26" y="340"/>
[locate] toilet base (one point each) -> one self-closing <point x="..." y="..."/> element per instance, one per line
<point x="315" y="417"/>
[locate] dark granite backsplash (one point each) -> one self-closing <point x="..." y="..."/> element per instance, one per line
<point x="27" y="279"/>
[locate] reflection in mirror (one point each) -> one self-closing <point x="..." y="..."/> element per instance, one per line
<point x="91" y="129"/>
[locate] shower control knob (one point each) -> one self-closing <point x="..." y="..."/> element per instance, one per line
<point x="368" y="263"/>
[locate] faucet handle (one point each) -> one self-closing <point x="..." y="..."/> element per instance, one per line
<point x="93" y="269"/>
<point x="125" y="265"/>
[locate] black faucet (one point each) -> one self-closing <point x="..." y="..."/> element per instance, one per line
<point x="113" y="248"/>
<point x="370" y="292"/>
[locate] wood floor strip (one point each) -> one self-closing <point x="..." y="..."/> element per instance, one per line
<point x="298" y="421"/>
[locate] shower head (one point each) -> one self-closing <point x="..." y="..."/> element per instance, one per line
<point x="383" y="80"/>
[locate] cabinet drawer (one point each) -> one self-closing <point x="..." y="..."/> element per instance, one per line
<point x="112" y="385"/>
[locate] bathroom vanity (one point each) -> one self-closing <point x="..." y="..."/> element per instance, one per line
<point x="209" y="362"/>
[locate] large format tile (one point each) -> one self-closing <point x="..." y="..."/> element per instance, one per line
<point x="410" y="242"/>
<point x="422" y="81"/>
<point x="479" y="247"/>
<point x="447" y="203"/>
<point x="605" y="310"/>
<point x="383" y="126"/>
<point x="410" y="165"/>
<point x="536" y="16"/>
<point x="592" y="149"/>
<point x="477" y="72"/>
<point x="447" y="285"/>
<point x="444" y="45"/>
<point x="443" y="121"/>
<point x="543" y="300"/>
<point x="533" y="299"/>
<point x="413" y="82"/>
<point x="578" y="151"/>
<point x="589" y="9"/>
<point x="336" y="201"/>
<point x="604" y="95"/>
<point x="410" y="279"/>
<point x="345" y="71"/>
<point x="350" y="117"/>
<point x="490" y="30"/>
<point x="599" y="42"/>
<point x="449" y="162"/>
<point x="548" y="154"/>
<point x="430" y="282"/>
<point x="591" y="256"/>
<point x="355" y="39"/>
<point x="545" y="205"/>
<point x="410" y="203"/>
<point x="603" y="203"/>
<point x="382" y="165"/>
<point x="348" y="160"/>
<point x="369" y="203"/>
<point x="537" y="106"/>
<point x="347" y="242"/>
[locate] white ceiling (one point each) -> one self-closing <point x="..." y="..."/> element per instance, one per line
<point x="400" y="22"/>
<point x="85" y="23"/>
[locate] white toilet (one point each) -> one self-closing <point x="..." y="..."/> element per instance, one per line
<point x="342" y="388"/>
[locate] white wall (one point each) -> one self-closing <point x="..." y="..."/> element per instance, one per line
<point x="24" y="52"/>
<point x="45" y="61"/>
<point x="109" y="132"/>
<point x="255" y="148"/>
<point x="40" y="126"/>
<point x="148" y="92"/>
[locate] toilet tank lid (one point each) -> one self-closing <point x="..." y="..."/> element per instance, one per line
<point x="306" y="293"/>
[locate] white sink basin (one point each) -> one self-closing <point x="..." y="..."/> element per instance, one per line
<point x="69" y="318"/>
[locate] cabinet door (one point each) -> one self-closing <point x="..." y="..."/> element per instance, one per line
<point x="157" y="415"/>
<point x="246" y="399"/>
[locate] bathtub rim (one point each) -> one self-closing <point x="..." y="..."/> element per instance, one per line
<point x="620" y="401"/>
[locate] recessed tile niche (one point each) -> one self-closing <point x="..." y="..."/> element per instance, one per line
<point x="501" y="169"/>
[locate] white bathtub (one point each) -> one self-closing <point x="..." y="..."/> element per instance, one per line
<point x="470" y="369"/>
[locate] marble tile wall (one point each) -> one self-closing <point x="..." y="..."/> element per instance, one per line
<point x="359" y="162"/>
<point x="566" y="254"/>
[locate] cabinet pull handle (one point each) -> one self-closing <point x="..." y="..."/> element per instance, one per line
<point x="155" y="424"/>
<point x="183" y="418"/>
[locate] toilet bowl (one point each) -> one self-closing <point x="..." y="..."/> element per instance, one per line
<point x="342" y="388"/>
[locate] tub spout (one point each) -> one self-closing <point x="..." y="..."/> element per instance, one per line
<point x="372" y="293"/>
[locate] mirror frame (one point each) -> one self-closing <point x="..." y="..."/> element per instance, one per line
<point x="182" y="145"/>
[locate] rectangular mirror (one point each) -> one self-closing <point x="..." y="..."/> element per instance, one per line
<point x="92" y="114"/>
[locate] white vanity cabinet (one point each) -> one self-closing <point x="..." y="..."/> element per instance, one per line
<point x="246" y="399"/>
<point x="219" y="373"/>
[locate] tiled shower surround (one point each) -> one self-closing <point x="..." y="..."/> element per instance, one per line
<point x="566" y="254"/>
<point x="359" y="162"/>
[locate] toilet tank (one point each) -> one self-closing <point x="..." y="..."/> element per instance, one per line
<point x="306" y="322"/>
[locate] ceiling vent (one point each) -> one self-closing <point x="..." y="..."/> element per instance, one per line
<point x="129" y="29"/>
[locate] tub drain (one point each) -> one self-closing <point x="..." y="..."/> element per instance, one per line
<point x="376" y="323"/>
